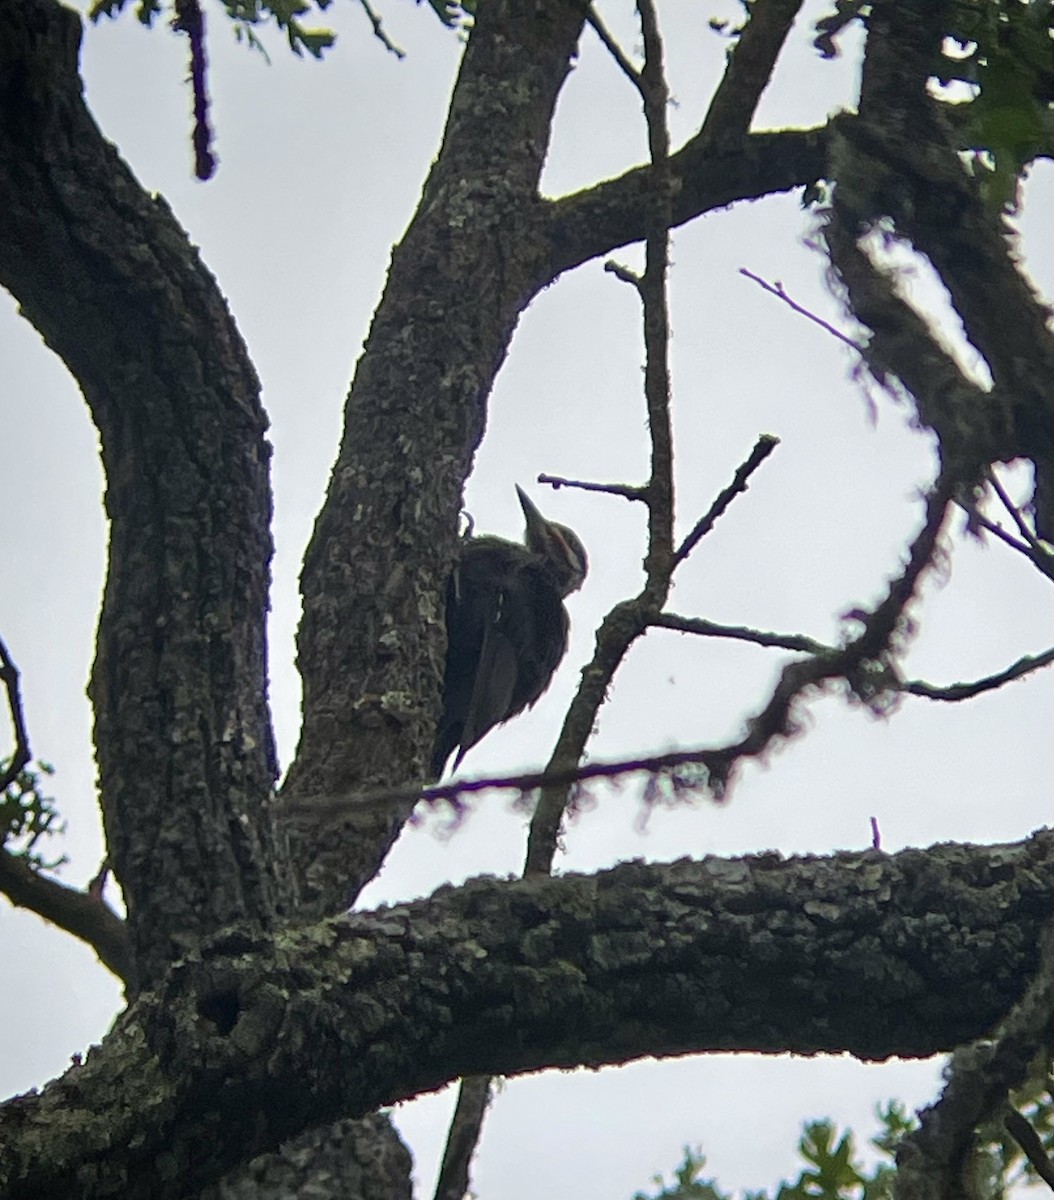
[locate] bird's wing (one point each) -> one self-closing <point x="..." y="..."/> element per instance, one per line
<point x="493" y="686"/>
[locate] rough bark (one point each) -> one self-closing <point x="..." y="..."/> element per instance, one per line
<point x="901" y="161"/>
<point x="262" y="1031"/>
<point x="179" y="687"/>
<point x="263" y="1036"/>
<point x="371" y="641"/>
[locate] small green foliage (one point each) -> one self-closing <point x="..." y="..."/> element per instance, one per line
<point x="247" y="15"/>
<point x="286" y="15"/>
<point x="831" y="1172"/>
<point x="687" y="1183"/>
<point x="1002" y="49"/>
<point x="145" y="10"/>
<point x="27" y="815"/>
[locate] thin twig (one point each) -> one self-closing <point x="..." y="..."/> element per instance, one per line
<point x="1011" y="508"/>
<point x="627" y="491"/>
<point x="1031" y="1144"/>
<point x="623" y="273"/>
<point x="998" y="531"/>
<point x="1035" y="551"/>
<point x="22" y="753"/>
<point x="628" y="620"/>
<point x="776" y="289"/>
<point x="764" y="446"/>
<point x="966" y="691"/>
<point x="378" y="30"/>
<point x="189" y="19"/>
<point x="79" y="913"/>
<point x="741" y="633"/>
<point x="614" y="49"/>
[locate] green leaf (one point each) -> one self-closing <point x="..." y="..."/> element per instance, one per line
<point x="27" y="815"/>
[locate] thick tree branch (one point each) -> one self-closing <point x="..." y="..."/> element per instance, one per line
<point x="902" y="161"/>
<point x="85" y="916"/>
<point x="750" y="65"/>
<point x="593" y="222"/>
<point x="371" y="640"/>
<point x="867" y="953"/>
<point x="179" y="686"/>
<point x="932" y="1160"/>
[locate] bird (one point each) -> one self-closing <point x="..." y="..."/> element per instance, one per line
<point x="506" y="626"/>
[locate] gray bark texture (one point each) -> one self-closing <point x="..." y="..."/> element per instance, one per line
<point x="265" y="1026"/>
<point x="258" y="1037"/>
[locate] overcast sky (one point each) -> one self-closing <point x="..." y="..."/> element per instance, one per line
<point x="320" y="169"/>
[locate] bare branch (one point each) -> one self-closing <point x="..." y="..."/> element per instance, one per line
<point x="623" y="273"/>
<point x="599" y="219"/>
<point x="85" y="916"/>
<point x="1031" y="1144"/>
<point x="21" y="754"/>
<point x="614" y="49"/>
<point x="741" y="633"/>
<point x="1036" y="551"/>
<point x="776" y="289"/>
<point x="966" y="691"/>
<point x="1011" y="508"/>
<point x="764" y="446"/>
<point x="749" y="69"/>
<point x="465" y="1127"/>
<point x="627" y="621"/>
<point x="378" y="30"/>
<point x="625" y="490"/>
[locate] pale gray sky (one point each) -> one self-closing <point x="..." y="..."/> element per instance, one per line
<point x="320" y="169"/>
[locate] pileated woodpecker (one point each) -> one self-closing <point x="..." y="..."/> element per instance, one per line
<point x="506" y="628"/>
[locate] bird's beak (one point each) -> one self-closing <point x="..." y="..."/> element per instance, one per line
<point x="537" y="525"/>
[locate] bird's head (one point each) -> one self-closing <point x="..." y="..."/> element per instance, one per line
<point x="561" y="548"/>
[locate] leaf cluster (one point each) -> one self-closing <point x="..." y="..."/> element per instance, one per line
<point x="1002" y="51"/>
<point x="832" y="1170"/>
<point x="246" y="16"/>
<point x="27" y="815"/>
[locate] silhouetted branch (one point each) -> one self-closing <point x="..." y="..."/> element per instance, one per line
<point x="378" y="30"/>
<point x="966" y="691"/>
<point x="465" y="1128"/>
<point x="764" y="446"/>
<point x="82" y="914"/>
<point x="21" y="753"/>
<point x="1031" y="1145"/>
<point x="1011" y="508"/>
<point x="189" y="19"/>
<point x="776" y="289"/>
<point x="747" y="74"/>
<point x="932" y="1159"/>
<point x="627" y="491"/>
<point x="1036" y="551"/>
<point x="741" y="633"/>
<point x="614" y="49"/>
<point x="628" y="620"/>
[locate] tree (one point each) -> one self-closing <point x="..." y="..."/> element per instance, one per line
<point x="244" y="981"/>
